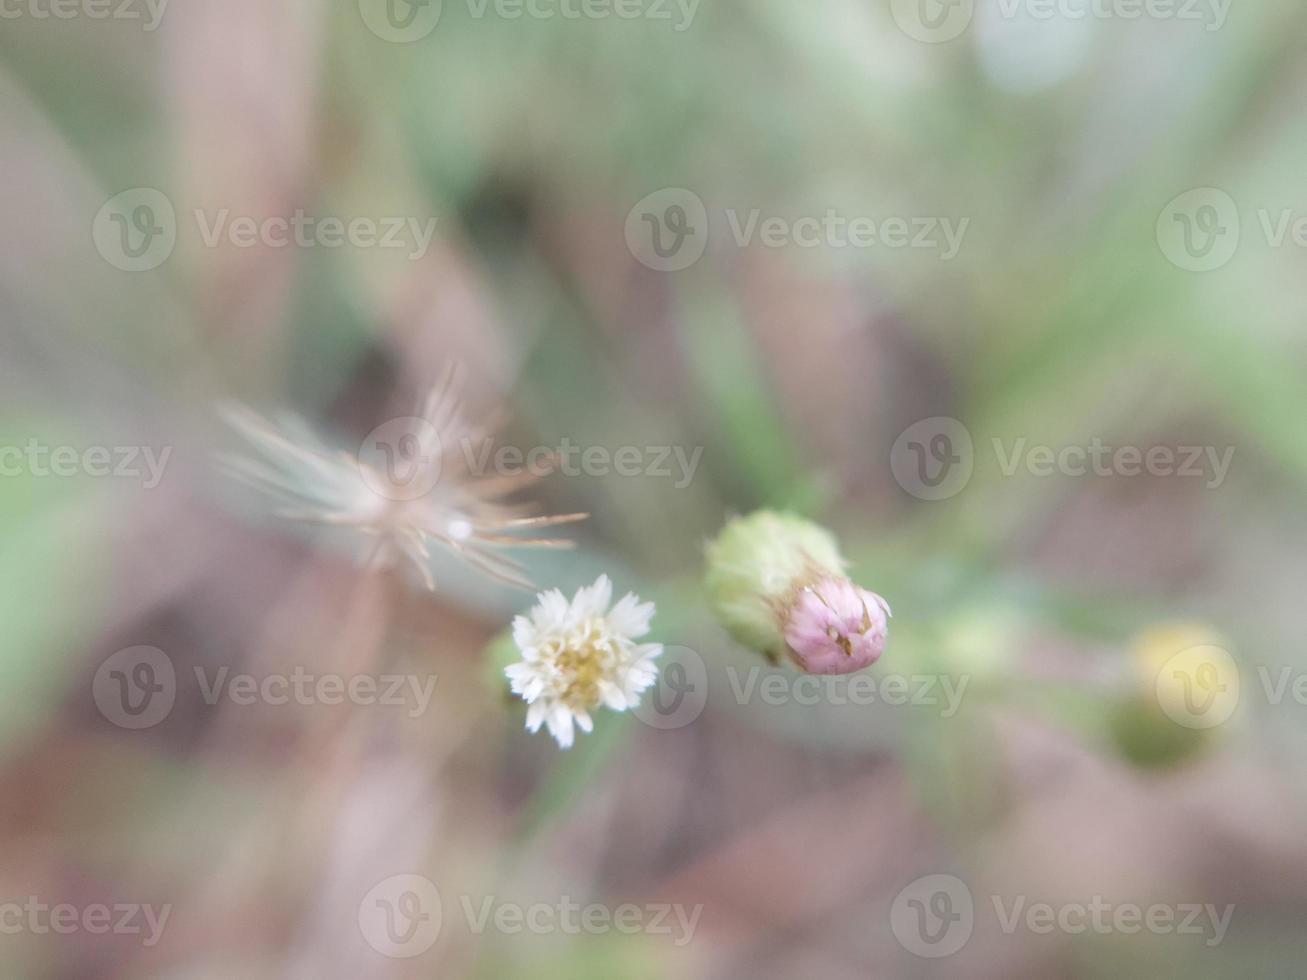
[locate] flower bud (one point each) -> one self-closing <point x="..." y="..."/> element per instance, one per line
<point x="1146" y="737"/>
<point x="1186" y="668"/>
<point x="834" y="627"/>
<point x="777" y="583"/>
<point x="1185" y="691"/>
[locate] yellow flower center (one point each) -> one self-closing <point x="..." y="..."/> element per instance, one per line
<point x="584" y="660"/>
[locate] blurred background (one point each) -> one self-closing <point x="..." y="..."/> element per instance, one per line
<point x="901" y="267"/>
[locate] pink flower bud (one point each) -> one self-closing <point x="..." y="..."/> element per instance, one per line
<point x="835" y="627"/>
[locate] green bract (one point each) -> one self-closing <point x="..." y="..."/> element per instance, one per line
<point x="755" y="565"/>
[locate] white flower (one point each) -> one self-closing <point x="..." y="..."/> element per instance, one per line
<point x="577" y="656"/>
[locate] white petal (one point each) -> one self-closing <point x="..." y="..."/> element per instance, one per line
<point x="584" y="722"/>
<point x="592" y="600"/>
<point x="519" y="675"/>
<point x="630" y="617"/>
<point x="613" y="696"/>
<point x="603" y="594"/>
<point x="639" y="682"/>
<point x="524" y="632"/>
<point x="646" y="652"/>
<point x="535" y="716"/>
<point x="560" y="725"/>
<point x="550" y="613"/>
